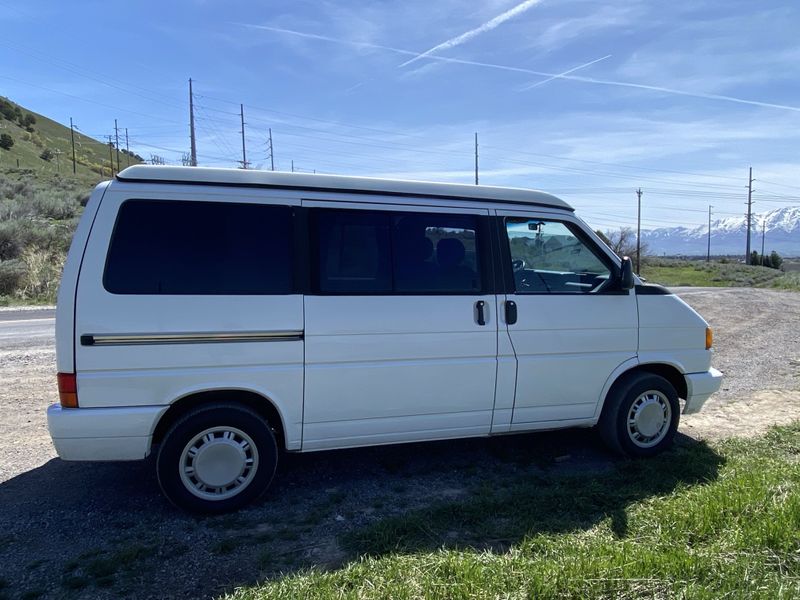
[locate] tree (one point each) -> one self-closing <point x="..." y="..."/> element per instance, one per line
<point x="29" y="120"/>
<point x="623" y="242"/>
<point x="6" y="141"/>
<point x="603" y="237"/>
<point x="775" y="260"/>
<point x="47" y="155"/>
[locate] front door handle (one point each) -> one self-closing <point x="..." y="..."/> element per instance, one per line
<point x="479" y="305"/>
<point x="511" y="312"/>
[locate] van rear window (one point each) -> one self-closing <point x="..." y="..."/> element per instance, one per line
<point x="203" y="248"/>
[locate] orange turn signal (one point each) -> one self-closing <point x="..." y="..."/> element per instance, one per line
<point x="709" y="338"/>
<point x="68" y="390"/>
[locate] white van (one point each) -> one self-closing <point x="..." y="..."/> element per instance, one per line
<point x="219" y="316"/>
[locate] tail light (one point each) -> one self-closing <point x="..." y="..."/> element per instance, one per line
<point x="68" y="390"/>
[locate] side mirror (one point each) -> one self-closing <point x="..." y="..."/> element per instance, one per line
<point x="626" y="274"/>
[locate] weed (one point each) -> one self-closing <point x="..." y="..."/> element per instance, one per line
<point x="225" y="546"/>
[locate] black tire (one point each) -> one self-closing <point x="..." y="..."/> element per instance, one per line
<point x="613" y="425"/>
<point x="170" y="464"/>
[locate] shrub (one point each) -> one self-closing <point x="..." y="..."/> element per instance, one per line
<point x="12" y="272"/>
<point x="47" y="155"/>
<point x="42" y="273"/>
<point x="10" y="240"/>
<point x="6" y="141"/>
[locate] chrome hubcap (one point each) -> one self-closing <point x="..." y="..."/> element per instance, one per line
<point x="218" y="463"/>
<point x="649" y="419"/>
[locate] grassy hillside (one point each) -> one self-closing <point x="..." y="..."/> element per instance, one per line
<point x="41" y="199"/>
<point x="672" y="272"/>
<point x="38" y="215"/>
<point x="32" y="138"/>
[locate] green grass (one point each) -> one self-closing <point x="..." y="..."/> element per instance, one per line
<point x="92" y="155"/>
<point x="103" y="568"/>
<point x="698" y="522"/>
<point x="672" y="272"/>
<point x="789" y="281"/>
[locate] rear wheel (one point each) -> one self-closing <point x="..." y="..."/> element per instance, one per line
<point x="217" y="458"/>
<point x="641" y="416"/>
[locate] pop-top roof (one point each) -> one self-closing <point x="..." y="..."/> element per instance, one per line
<point x="338" y="183"/>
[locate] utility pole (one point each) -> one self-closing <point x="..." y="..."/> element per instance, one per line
<point x="763" y="234"/>
<point x="192" y="138"/>
<point x="127" y="150"/>
<point x="58" y="162"/>
<point x="271" y="155"/>
<point x="708" y="255"/>
<point x="292" y="165"/>
<point x="111" y="154"/>
<point x="116" y="134"/>
<point x="72" y="135"/>
<point x="244" y="150"/>
<point x="749" y="213"/>
<point x="639" y="233"/>
<point x="476" y="158"/>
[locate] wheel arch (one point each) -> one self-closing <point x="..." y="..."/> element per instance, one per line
<point x="668" y="371"/>
<point x="259" y="403"/>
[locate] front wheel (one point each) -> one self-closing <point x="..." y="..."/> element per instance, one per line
<point x="216" y="459"/>
<point x="641" y="416"/>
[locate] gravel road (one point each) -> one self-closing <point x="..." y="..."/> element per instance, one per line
<point x="103" y="530"/>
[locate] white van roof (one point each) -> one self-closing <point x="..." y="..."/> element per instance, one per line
<point x="338" y="183"/>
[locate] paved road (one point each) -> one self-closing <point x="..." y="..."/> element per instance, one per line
<point x="26" y="328"/>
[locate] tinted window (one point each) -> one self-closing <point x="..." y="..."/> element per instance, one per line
<point x="384" y="252"/>
<point x="354" y="251"/>
<point x="181" y="247"/>
<point x="435" y="253"/>
<point x="548" y="257"/>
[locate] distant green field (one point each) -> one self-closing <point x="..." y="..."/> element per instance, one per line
<point x="92" y="156"/>
<point x="673" y="272"/>
<point x="720" y="521"/>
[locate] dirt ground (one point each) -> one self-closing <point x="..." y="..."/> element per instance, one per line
<point x="104" y="531"/>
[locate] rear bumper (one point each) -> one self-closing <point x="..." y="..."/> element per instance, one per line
<point x="699" y="387"/>
<point x="103" y="433"/>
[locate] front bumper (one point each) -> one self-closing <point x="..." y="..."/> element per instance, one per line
<point x="699" y="387"/>
<point x="103" y="433"/>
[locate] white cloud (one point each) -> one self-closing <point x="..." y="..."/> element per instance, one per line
<point x="472" y="33"/>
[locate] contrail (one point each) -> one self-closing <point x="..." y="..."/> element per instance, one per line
<point x="474" y="63"/>
<point x="466" y="36"/>
<point x="560" y="75"/>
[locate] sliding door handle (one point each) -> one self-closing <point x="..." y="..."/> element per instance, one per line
<point x="479" y="306"/>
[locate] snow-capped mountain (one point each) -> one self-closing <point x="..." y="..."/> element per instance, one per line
<point x="728" y="235"/>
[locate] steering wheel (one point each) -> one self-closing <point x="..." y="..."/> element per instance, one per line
<point x="517" y="265"/>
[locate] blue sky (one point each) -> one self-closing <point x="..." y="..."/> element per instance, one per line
<point x="676" y="97"/>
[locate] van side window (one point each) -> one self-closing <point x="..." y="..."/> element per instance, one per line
<point x="354" y="251"/>
<point x="549" y="257"/>
<point x="435" y="253"/>
<point x="396" y="252"/>
<point x="203" y="248"/>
